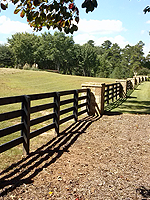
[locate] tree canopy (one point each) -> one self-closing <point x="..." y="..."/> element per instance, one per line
<point x="61" y="14"/>
<point x="59" y="52"/>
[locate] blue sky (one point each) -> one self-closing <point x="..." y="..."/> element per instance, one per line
<point x="120" y="21"/>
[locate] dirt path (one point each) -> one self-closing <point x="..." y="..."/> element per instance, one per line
<point x="106" y="158"/>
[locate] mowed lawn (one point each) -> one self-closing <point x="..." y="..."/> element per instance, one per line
<point x="138" y="102"/>
<point x="19" y="82"/>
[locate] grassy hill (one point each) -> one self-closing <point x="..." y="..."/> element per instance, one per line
<point x="19" y="82"/>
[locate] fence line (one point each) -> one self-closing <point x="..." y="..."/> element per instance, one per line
<point x="26" y="110"/>
<point x="112" y="92"/>
<point x="102" y="93"/>
<point x="90" y="99"/>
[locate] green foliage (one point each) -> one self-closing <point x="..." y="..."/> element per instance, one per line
<point x="23" y="46"/>
<point x="61" y="14"/>
<point x="59" y="52"/>
<point x="89" y="5"/>
<point x="6" y="56"/>
<point x="88" y="61"/>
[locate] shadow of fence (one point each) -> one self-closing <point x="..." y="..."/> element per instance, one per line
<point x="118" y="102"/>
<point x="144" y="192"/>
<point x="23" y="171"/>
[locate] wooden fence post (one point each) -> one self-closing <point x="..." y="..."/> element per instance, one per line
<point x="88" y="100"/>
<point x="121" y="92"/>
<point x="57" y="112"/>
<point x="75" y="112"/>
<point x="102" y="101"/>
<point x="26" y="124"/>
<point x="112" y="93"/>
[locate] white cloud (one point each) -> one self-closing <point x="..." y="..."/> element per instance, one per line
<point x="94" y="29"/>
<point x="100" y="27"/>
<point x="120" y="40"/>
<point x="83" y="38"/>
<point x="10" y="27"/>
<point x="148" y="22"/>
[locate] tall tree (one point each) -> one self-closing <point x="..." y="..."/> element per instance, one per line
<point x="88" y="62"/>
<point x="115" y="60"/>
<point x="104" y="66"/>
<point x="6" y="56"/>
<point x="106" y="45"/>
<point x="61" y="50"/>
<point x="23" y="46"/>
<point x="147" y="61"/>
<point x="42" y="53"/>
<point x="132" y="59"/>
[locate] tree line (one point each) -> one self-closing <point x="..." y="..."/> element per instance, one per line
<point x="59" y="52"/>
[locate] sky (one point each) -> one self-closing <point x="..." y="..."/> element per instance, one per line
<point x="120" y="21"/>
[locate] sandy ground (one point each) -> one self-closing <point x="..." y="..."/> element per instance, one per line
<point x="96" y="158"/>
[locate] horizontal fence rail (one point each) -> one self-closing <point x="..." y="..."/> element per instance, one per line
<point x="64" y="106"/>
<point x="112" y="92"/>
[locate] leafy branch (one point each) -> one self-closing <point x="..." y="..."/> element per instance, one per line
<point x="61" y="14"/>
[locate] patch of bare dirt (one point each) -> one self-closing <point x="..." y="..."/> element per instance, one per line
<point x="96" y="158"/>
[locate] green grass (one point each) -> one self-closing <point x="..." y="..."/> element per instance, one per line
<point x="14" y="82"/>
<point x="18" y="82"/>
<point x="138" y="102"/>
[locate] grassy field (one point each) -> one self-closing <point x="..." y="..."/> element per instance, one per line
<point x="18" y="82"/>
<point x="14" y="82"/>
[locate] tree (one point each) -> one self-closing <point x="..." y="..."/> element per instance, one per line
<point x="106" y="45"/>
<point x="105" y="66"/>
<point x="60" y="51"/>
<point x="88" y="61"/>
<point x="147" y="61"/>
<point x="115" y="60"/>
<point x="6" y="56"/>
<point x="56" y="13"/>
<point x="132" y="59"/>
<point x="91" y="42"/>
<point x="23" y="46"/>
<point x="42" y="53"/>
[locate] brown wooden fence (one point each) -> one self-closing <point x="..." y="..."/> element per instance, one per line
<point x="112" y="92"/>
<point x="26" y="110"/>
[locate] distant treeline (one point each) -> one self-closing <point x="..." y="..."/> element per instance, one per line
<point x="59" y="52"/>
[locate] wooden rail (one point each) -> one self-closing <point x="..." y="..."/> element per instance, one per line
<point x="112" y="92"/>
<point x="24" y="113"/>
